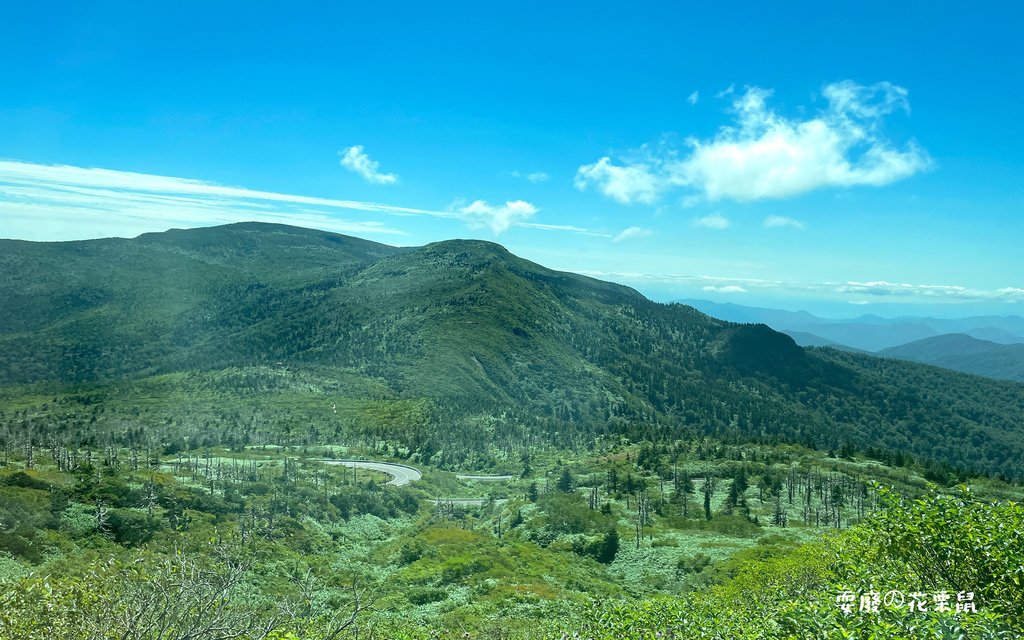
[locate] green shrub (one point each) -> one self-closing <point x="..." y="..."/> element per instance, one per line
<point x="425" y="595"/>
<point x="692" y="564"/>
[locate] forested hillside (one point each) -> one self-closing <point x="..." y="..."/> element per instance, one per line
<point x="463" y="333"/>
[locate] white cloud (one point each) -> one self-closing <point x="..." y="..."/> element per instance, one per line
<point x="624" y="184"/>
<point x="694" y="97"/>
<point x="537" y="176"/>
<point x="632" y="232"/>
<point x="534" y="177"/>
<point x="563" y="227"/>
<point x="498" y="219"/>
<point x="44" y="202"/>
<point x="766" y="155"/>
<point x="774" y="222"/>
<point x="853" y="292"/>
<point x="712" y="221"/>
<point x="355" y="160"/>
<point x="883" y="288"/>
<point x="57" y="202"/>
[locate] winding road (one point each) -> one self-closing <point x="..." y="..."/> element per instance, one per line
<point x="466" y="502"/>
<point x="401" y="474"/>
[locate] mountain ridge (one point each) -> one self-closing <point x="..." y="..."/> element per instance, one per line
<point x="476" y="332"/>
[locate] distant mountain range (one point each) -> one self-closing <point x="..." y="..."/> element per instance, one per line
<point x="867" y="332"/>
<point x="991" y="346"/>
<point x="961" y="352"/>
<point x="805" y="339"/>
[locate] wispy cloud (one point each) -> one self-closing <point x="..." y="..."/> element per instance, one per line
<point x="712" y="221"/>
<point x="563" y="227"/>
<point x="694" y="97"/>
<point x="728" y="91"/>
<point x="763" y="154"/>
<point x="729" y="288"/>
<point x="886" y="289"/>
<point x="775" y="222"/>
<point x="535" y="176"/>
<point x="355" y="160"/>
<point x="498" y="219"/>
<point x="59" y="202"/>
<point x="630" y="233"/>
<point x="856" y="292"/>
<point x="683" y="278"/>
<point x="48" y="202"/>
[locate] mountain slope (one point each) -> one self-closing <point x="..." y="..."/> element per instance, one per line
<point x="964" y="353"/>
<point x="494" y="343"/>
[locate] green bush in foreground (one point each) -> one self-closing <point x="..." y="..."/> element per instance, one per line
<point x="952" y="544"/>
<point x="942" y="543"/>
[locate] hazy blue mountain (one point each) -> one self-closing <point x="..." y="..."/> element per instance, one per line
<point x="1000" y="325"/>
<point x="739" y="313"/>
<point x="873" y="337"/>
<point x="994" y="334"/>
<point x="805" y="339"/>
<point x="962" y="352"/>
<point x="868" y="332"/>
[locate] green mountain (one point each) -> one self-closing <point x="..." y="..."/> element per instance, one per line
<point x="497" y="350"/>
<point x="962" y="352"/>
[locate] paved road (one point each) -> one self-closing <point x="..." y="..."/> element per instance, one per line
<point x="469" y="502"/>
<point x="401" y="474"/>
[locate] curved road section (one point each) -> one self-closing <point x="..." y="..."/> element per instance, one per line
<point x="466" y="502"/>
<point x="401" y="474"/>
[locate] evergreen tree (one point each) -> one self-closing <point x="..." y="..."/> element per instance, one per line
<point x="732" y="498"/>
<point x="531" y="492"/>
<point x="608" y="546"/>
<point x="517" y="519"/>
<point x="707" y="498"/>
<point x="613" y="479"/>
<point x="565" y="481"/>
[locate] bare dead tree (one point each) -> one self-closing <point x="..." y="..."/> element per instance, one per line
<point x="311" y="608"/>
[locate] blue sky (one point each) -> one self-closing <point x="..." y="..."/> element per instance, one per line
<point x="805" y="156"/>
